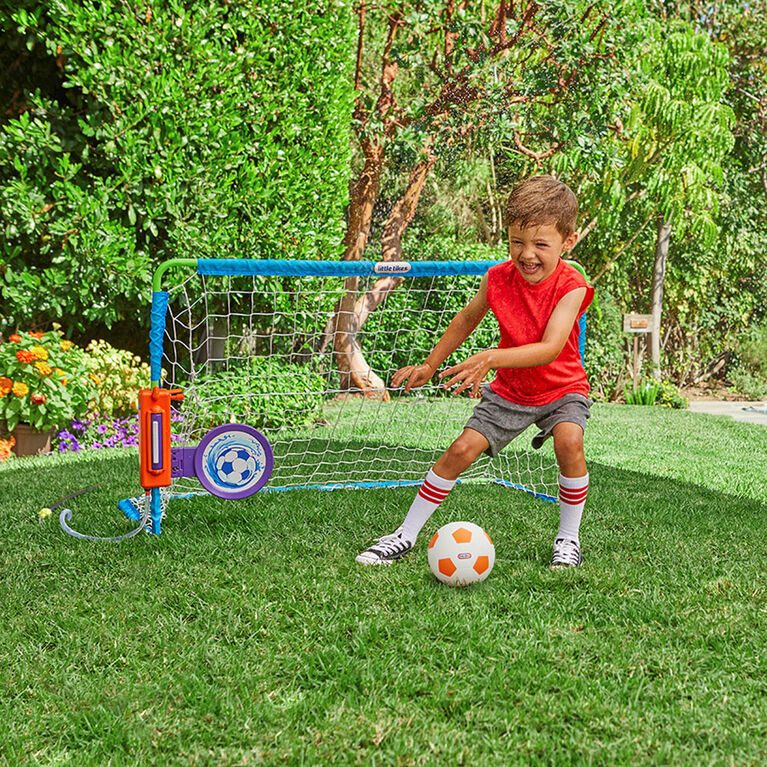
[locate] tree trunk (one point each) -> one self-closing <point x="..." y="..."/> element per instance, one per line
<point x="356" y="373"/>
<point x="658" y="278"/>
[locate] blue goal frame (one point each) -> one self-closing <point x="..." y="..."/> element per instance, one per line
<point x="298" y="268"/>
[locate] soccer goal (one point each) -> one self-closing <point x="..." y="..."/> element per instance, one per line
<point x="274" y="375"/>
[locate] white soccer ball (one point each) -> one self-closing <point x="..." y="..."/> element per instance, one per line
<point x="236" y="466"/>
<point x="461" y="553"/>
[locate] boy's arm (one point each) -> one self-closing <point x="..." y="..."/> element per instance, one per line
<point x="459" y="329"/>
<point x="473" y="370"/>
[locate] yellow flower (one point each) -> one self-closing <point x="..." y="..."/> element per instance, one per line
<point x="43" y="369"/>
<point x="66" y="345"/>
<point x="59" y="372"/>
<point x="20" y="389"/>
<point x="40" y="352"/>
<point x="95" y="379"/>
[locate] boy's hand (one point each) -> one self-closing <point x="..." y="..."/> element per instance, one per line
<point x="415" y="375"/>
<point x="472" y="371"/>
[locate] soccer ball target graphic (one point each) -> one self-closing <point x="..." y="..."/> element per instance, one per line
<point x="461" y="553"/>
<point x="236" y="466"/>
<point x="233" y="461"/>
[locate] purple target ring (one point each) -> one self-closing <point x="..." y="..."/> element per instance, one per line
<point x="233" y="461"/>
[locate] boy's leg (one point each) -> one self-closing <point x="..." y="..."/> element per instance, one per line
<point x="573" y="488"/>
<point x="441" y="478"/>
<point x="438" y="483"/>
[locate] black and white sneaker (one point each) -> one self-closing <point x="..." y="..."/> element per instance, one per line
<point x="567" y="553"/>
<point x="386" y="550"/>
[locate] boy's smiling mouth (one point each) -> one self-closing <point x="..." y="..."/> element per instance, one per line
<point x="529" y="268"/>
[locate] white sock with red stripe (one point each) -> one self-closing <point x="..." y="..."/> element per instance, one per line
<point x="432" y="492"/>
<point x="572" y="499"/>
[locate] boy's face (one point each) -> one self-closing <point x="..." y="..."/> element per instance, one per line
<point x="535" y="250"/>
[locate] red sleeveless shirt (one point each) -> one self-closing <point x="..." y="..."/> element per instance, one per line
<point x="523" y="310"/>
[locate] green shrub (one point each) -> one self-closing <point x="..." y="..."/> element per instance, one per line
<point x="130" y="134"/>
<point x="119" y="376"/>
<point x="752" y="351"/>
<point x="604" y="356"/>
<point x="669" y="396"/>
<point x="750" y="385"/>
<point x="264" y="392"/>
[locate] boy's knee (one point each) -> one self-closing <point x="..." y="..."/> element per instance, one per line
<point x="462" y="451"/>
<point x="568" y="440"/>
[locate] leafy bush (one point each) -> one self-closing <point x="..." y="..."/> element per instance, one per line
<point x="131" y="134"/>
<point x="263" y="392"/>
<point x="669" y="396"/>
<point x="750" y="385"/>
<point x="604" y="355"/>
<point x="119" y="376"/>
<point x="752" y="350"/>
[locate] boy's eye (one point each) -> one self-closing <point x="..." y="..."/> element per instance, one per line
<point x="542" y="244"/>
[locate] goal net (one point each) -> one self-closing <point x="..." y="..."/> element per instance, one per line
<point x="305" y="351"/>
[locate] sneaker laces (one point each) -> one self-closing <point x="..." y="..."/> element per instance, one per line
<point x="393" y="543"/>
<point x="566" y="552"/>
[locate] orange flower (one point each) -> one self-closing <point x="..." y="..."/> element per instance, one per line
<point x="36" y="333"/>
<point x="63" y="381"/>
<point x="66" y="345"/>
<point x="20" y="389"/>
<point x="15" y="338"/>
<point x="40" y="352"/>
<point x="5" y="386"/>
<point x="95" y="379"/>
<point x="39" y="399"/>
<point x="43" y="369"/>
<point x="24" y="356"/>
<point x="5" y="448"/>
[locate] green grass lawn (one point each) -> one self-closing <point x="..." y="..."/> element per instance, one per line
<point x="246" y="633"/>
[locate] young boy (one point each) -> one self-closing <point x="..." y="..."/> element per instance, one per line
<point x="537" y="300"/>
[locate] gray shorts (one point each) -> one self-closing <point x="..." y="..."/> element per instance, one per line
<point x="499" y="420"/>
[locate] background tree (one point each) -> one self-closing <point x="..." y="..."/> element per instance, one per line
<point x="465" y="74"/>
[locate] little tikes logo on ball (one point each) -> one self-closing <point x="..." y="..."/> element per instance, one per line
<point x="465" y="555"/>
<point x="391" y="267"/>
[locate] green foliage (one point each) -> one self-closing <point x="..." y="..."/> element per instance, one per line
<point x="130" y="136"/>
<point x="265" y="392"/>
<point x="604" y="347"/>
<point x="645" y="393"/>
<point x="44" y="380"/>
<point x="651" y="391"/>
<point x="414" y="316"/>
<point x="749" y="371"/>
<point x="669" y="396"/>
<point x="751" y="386"/>
<point x="752" y="349"/>
<point x="119" y="376"/>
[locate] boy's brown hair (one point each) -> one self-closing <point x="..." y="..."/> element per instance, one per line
<point x="541" y="200"/>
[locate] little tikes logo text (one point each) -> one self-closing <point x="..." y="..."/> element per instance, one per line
<point x="391" y="267"/>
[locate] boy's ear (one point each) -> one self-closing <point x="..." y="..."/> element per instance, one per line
<point x="570" y="241"/>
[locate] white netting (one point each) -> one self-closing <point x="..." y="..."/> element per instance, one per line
<point x="260" y="350"/>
